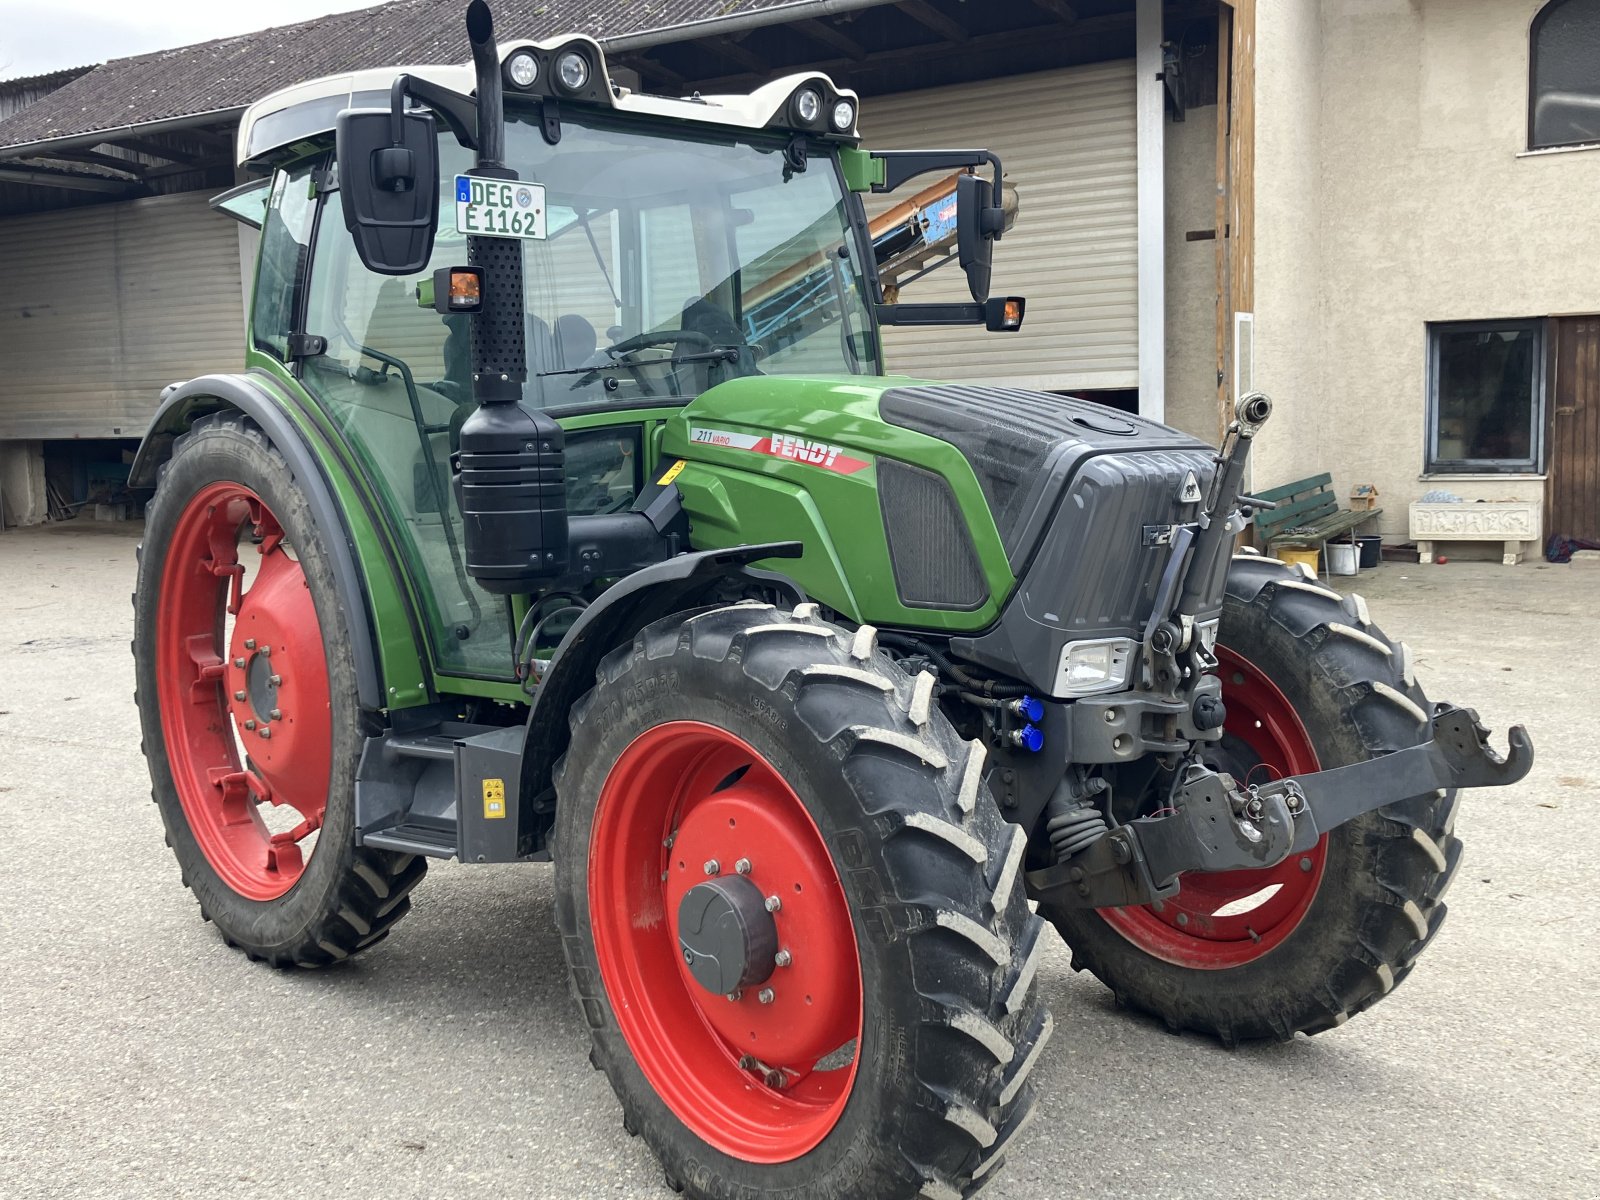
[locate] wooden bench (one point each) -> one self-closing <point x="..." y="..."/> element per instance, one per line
<point x="1307" y="514"/>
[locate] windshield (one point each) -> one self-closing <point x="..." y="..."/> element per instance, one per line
<point x="672" y="261"/>
<point x="686" y="233"/>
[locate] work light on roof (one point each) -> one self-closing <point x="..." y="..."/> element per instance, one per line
<point x="808" y="106"/>
<point x="844" y="116"/>
<point x="522" y="69"/>
<point x="572" y="70"/>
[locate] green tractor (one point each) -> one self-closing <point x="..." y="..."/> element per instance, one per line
<point x="563" y="512"/>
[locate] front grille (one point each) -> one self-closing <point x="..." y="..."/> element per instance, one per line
<point x="1092" y="574"/>
<point x="930" y="547"/>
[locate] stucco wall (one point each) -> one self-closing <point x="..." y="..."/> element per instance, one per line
<point x="1392" y="191"/>
<point x="1191" y="317"/>
<point x="1288" y="242"/>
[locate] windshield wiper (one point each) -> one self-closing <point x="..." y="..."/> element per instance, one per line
<point x="728" y="354"/>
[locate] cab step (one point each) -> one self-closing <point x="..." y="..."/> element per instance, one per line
<point x="449" y="791"/>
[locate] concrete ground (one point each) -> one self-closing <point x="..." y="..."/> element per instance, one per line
<point x="140" y="1058"/>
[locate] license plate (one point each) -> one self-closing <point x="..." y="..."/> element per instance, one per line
<point x="499" y="208"/>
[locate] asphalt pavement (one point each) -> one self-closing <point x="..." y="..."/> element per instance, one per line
<point x="139" y="1057"/>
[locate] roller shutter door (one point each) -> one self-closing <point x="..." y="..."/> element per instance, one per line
<point x="1067" y="141"/>
<point x="108" y="304"/>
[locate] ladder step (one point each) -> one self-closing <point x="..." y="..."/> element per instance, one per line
<point x="414" y="839"/>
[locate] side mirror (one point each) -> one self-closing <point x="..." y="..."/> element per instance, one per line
<point x="388" y="185"/>
<point x="979" y="221"/>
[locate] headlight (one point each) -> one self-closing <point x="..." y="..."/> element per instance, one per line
<point x="844" y="115"/>
<point x="808" y="106"/>
<point x="522" y="69"/>
<point x="1088" y="668"/>
<point x="572" y="69"/>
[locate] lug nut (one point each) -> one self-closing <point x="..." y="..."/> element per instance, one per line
<point x="735" y="997"/>
<point x="239" y="662"/>
<point x="1183" y="918"/>
<point x="249" y="724"/>
<point x="276" y="714"/>
<point x="265" y="732"/>
<point x="1305" y="864"/>
<point x="742" y="866"/>
<point x="266" y="652"/>
<point x="275" y="680"/>
<point x="249" y="643"/>
<point x="783" y="958"/>
<point x="765" y="996"/>
<point x="238" y="695"/>
<point x="712" y="866"/>
<point x="773" y="904"/>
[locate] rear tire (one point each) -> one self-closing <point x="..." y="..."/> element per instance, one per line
<point x="226" y="496"/>
<point x="1376" y="898"/>
<point x="915" y="872"/>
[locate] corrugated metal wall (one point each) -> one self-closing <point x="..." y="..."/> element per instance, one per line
<point x="1067" y="141"/>
<point x="109" y="304"/>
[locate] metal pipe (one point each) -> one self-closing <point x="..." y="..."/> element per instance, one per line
<point x="491" y="99"/>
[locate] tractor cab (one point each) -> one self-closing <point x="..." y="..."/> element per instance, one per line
<point x="665" y="247"/>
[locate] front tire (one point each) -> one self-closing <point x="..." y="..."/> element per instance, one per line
<point x="1310" y="683"/>
<point x="247" y="702"/>
<point x="888" y="1054"/>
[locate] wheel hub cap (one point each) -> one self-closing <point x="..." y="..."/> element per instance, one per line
<point x="728" y="938"/>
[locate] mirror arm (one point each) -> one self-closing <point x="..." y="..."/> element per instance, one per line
<point x="901" y="165"/>
<point x="459" y="113"/>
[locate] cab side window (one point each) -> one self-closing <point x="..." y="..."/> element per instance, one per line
<point x="285" y="243"/>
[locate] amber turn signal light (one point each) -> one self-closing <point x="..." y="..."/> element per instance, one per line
<point x="458" y="290"/>
<point x="1003" y="314"/>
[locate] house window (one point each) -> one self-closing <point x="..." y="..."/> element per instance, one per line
<point x="1564" y="75"/>
<point x="1486" y="382"/>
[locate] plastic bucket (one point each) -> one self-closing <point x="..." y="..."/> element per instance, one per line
<point x="1344" y="558"/>
<point x="1371" y="549"/>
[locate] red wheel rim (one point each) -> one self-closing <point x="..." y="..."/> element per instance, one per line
<point x="763" y="1082"/>
<point x="1228" y="918"/>
<point x="245" y="711"/>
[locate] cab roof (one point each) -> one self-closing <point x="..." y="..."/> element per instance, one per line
<point x="283" y="120"/>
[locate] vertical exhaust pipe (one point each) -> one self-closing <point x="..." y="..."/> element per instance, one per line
<point x="509" y="473"/>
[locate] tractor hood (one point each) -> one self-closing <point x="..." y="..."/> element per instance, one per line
<point x="988" y="505"/>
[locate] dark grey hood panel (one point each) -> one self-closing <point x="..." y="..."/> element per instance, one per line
<point x="1023" y="445"/>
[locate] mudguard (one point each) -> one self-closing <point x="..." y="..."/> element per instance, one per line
<point x="182" y="404"/>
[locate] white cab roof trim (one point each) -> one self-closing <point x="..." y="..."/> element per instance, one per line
<point x="751" y="111"/>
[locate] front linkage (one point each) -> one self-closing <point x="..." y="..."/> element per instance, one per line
<point x="1212" y="822"/>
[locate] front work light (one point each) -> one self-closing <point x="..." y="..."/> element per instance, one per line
<point x="572" y="70"/>
<point x="458" y="290"/>
<point x="1088" y="668"/>
<point x="522" y="69"/>
<point x="844" y="116"/>
<point x="808" y="106"/>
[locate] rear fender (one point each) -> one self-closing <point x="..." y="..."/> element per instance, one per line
<point x="612" y="620"/>
<point x="184" y="404"/>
